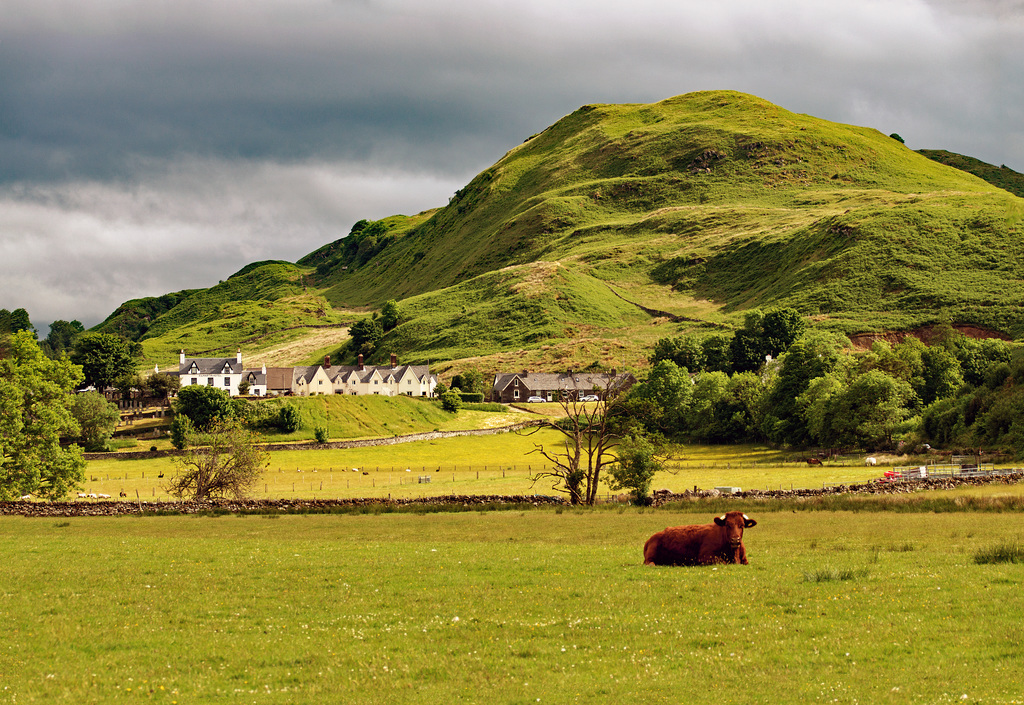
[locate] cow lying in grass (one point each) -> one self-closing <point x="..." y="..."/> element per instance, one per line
<point x="720" y="542"/>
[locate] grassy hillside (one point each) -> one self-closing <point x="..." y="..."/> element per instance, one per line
<point x="264" y="308"/>
<point x="623" y="223"/>
<point x="726" y="199"/>
<point x="1002" y="176"/>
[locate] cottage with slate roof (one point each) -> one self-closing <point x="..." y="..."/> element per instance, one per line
<point x="396" y="380"/>
<point x="512" y="387"/>
<point x="220" y="372"/>
<point x="312" y="380"/>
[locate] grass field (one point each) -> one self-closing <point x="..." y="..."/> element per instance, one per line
<point x="507" y="607"/>
<point x="498" y="464"/>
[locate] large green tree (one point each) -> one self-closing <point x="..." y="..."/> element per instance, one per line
<point x="204" y="405"/>
<point x="15" y="321"/>
<point x="62" y="336"/>
<point x="634" y="468"/>
<point x="666" y="391"/>
<point x="104" y="358"/>
<point x="96" y="417"/>
<point x="35" y="400"/>
<point x="366" y="333"/>
<point x="390" y="315"/>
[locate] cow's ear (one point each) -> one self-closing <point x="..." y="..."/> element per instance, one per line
<point x="720" y="520"/>
<point x="748" y="522"/>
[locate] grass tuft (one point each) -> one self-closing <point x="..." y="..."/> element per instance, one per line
<point x="1006" y="552"/>
<point x="826" y="575"/>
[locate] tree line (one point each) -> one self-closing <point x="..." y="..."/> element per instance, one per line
<point x="811" y="390"/>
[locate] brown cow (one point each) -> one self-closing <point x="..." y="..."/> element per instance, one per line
<point x="721" y="542"/>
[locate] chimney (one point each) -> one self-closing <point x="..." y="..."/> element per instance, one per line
<point x="264" y="368"/>
<point x="181" y="358"/>
<point x="156" y="369"/>
<point x="238" y="356"/>
<point x="327" y="362"/>
<point x="394" y="361"/>
<point x="526" y="373"/>
<point x="360" y="362"/>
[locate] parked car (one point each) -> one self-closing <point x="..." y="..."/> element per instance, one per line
<point x="591" y="397"/>
<point x="536" y="400"/>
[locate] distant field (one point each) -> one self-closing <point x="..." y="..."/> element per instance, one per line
<point x="497" y="464"/>
<point x="507" y="607"/>
<point x="346" y="417"/>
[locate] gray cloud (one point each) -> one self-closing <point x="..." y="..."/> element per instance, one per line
<point x="79" y="249"/>
<point x="274" y="124"/>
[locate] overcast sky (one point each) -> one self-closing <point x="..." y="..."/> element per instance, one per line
<point x="147" y="146"/>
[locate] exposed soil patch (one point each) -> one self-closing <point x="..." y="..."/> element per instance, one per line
<point x="926" y="334"/>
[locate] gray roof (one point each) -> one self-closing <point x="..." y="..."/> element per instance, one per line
<point x="257" y="377"/>
<point x="551" y="381"/>
<point x="306" y="373"/>
<point x="210" y="366"/>
<point x="346" y="372"/>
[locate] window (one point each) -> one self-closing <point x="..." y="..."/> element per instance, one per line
<point x="209" y="382"/>
<point x="515" y="394"/>
<point x="376" y="381"/>
<point x="195" y="380"/>
<point x="227" y="381"/>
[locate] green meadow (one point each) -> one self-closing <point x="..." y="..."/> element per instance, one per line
<point x="497" y="464"/>
<point x="509" y="607"/>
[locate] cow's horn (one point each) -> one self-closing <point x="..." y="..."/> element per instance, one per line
<point x="722" y="517"/>
<point x="746" y="518"/>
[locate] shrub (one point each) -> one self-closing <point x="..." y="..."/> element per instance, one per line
<point x="320" y="434"/>
<point x="288" y="419"/>
<point x="181" y="429"/>
<point x="451" y="401"/>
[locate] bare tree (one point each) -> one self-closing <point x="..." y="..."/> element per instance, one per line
<point x="223" y="461"/>
<point x="590" y="432"/>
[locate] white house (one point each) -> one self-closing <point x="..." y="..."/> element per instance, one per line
<point x="314" y="380"/>
<point x="223" y="373"/>
<point x="257" y="380"/>
<point x="311" y="381"/>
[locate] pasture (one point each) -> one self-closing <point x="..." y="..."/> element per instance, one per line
<point x="507" y="607"/>
<point x="498" y="464"/>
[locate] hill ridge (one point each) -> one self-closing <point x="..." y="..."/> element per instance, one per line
<point x="699" y="207"/>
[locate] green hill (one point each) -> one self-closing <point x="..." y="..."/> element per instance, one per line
<point x="1002" y="176"/>
<point x="623" y="223"/>
<point x="262" y="307"/>
<point x="710" y="203"/>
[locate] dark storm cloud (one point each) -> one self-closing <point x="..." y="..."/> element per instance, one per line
<point x="133" y="135"/>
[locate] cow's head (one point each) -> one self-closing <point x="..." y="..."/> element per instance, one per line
<point x="734" y="523"/>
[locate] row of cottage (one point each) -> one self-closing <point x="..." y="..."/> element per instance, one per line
<point x="231" y="375"/>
